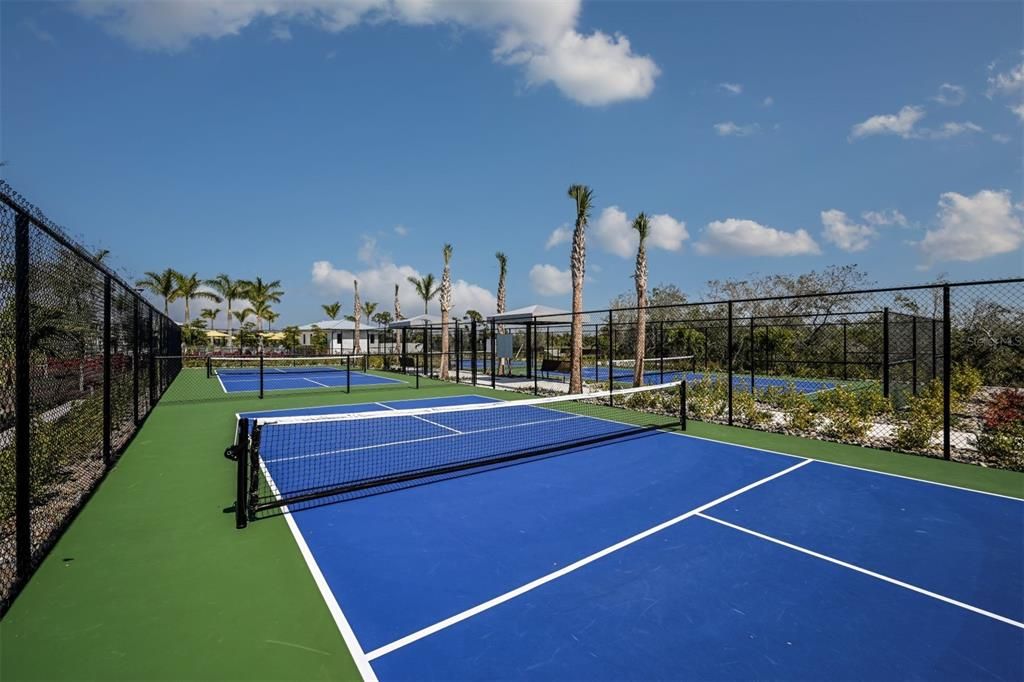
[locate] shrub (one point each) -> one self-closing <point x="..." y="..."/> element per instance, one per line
<point x="746" y="410"/>
<point x="1002" y="430"/>
<point x="849" y="413"/>
<point x="707" y="399"/>
<point x="964" y="382"/>
<point x="798" y="409"/>
<point x="923" y="419"/>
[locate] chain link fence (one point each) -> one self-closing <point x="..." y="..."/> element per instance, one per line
<point x="80" y="374"/>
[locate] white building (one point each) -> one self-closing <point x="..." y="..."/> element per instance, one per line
<point x="341" y="336"/>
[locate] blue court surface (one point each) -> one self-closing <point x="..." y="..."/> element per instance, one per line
<point x="666" y="556"/>
<point x="235" y="381"/>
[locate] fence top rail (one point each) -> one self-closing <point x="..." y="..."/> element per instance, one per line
<point x="22" y="206"/>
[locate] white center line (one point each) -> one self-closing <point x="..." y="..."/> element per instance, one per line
<point x="523" y="589"/>
<point x="424" y="420"/>
<point x="865" y="571"/>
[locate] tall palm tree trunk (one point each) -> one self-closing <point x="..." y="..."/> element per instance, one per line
<point x="446" y="307"/>
<point x="640" y="224"/>
<point x="357" y="312"/>
<point x="583" y="197"/>
<point x="502" y="272"/>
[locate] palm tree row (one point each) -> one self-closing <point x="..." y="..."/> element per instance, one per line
<point x="171" y="285"/>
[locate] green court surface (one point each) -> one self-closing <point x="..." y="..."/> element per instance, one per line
<point x="153" y="581"/>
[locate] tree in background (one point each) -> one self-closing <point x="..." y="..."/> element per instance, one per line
<point x="475" y="316"/>
<point x="446" y="308"/>
<point x="332" y="309"/>
<point x="398" y="306"/>
<point x="292" y="337"/>
<point x="426" y="289"/>
<point x="584" y="197"/>
<point x="187" y="287"/>
<point x="163" y="284"/>
<point x="382" y="319"/>
<point x="230" y="290"/>
<point x="369" y="309"/>
<point x="357" y="312"/>
<point x="643" y="228"/>
<point x="502" y="273"/>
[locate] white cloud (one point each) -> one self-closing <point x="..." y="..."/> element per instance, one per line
<point x="281" y="32"/>
<point x="1006" y="83"/>
<point x="950" y="95"/>
<point x="731" y="88"/>
<point x="560" y="235"/>
<point x="885" y="217"/>
<point x="667" y="233"/>
<point x="541" y="37"/>
<point x="401" y="230"/>
<point x="767" y="101"/>
<point x="901" y="124"/>
<point x="615" y="234"/>
<point x="844" y="233"/>
<point x="1000" y="138"/>
<point x="973" y="228"/>
<point x="547" y="280"/>
<point x="377" y="283"/>
<point x="953" y="129"/>
<point x="728" y="128"/>
<point x="748" y="238"/>
<point x="1018" y="111"/>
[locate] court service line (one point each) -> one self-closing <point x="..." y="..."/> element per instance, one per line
<point x="348" y="635"/>
<point x="432" y="423"/>
<point x="315" y="382"/>
<point x="865" y="571"/>
<point x="523" y="589"/>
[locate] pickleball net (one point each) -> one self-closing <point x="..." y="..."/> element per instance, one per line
<point x="298" y="459"/>
<point x="254" y="365"/>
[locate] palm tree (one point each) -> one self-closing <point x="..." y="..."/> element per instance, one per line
<point x="475" y="316"/>
<point x="259" y="291"/>
<point x="643" y="228"/>
<point x="502" y="272"/>
<point x="425" y="289"/>
<point x="332" y="309"/>
<point x="357" y="311"/>
<point x="187" y="288"/>
<point x="163" y="284"/>
<point x="398" y="306"/>
<point x="261" y="310"/>
<point x="383" y="318"/>
<point x="230" y="290"/>
<point x="583" y="196"/>
<point x="369" y="309"/>
<point x="446" y="308"/>
<point x="210" y="314"/>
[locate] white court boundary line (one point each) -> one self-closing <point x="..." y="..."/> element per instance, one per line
<point x="533" y="584"/>
<point x="865" y="571"/>
<point x="347" y="633"/>
<point x="315" y="382"/>
<point x="432" y="423"/>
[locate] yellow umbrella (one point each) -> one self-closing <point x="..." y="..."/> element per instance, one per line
<point x="214" y="334"/>
<point x="273" y="336"/>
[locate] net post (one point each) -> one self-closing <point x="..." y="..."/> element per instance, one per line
<point x="135" y="359"/>
<point x="261" y="373"/>
<point x="107" y="415"/>
<point x="22" y="400"/>
<point x="885" y="352"/>
<point x="947" y="369"/>
<point x="753" y="359"/>
<point x="242" y="475"/>
<point x="728" y="359"/>
<point x="611" y="359"/>
<point x="348" y="374"/>
<point x="682" y="404"/>
<point x="472" y="353"/>
<point x="209" y="366"/>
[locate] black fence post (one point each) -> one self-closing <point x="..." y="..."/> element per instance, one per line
<point x="473" y="349"/>
<point x="752" y="357"/>
<point x="242" y="482"/>
<point x="728" y="353"/>
<point x="22" y="399"/>
<point x="913" y="361"/>
<point x="611" y="359"/>
<point x="935" y="359"/>
<point x="135" y="359"/>
<point x="947" y="368"/>
<point x="494" y="349"/>
<point x="108" y="421"/>
<point x="152" y="361"/>
<point x="661" y="351"/>
<point x="532" y="330"/>
<point x="261" y="373"/>
<point x="405" y="353"/>
<point x="846" y="361"/>
<point x="682" y="404"/>
<point x="348" y="374"/>
<point x="529" y="349"/>
<point x="885" y="352"/>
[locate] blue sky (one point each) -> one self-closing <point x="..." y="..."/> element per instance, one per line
<point x="325" y="140"/>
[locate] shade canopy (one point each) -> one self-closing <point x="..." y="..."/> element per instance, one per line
<point x="214" y="334"/>
<point x="536" y="314"/>
<point x="416" y="321"/>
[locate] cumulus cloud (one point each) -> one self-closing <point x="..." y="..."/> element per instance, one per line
<point x="885" y="217"/>
<point x="767" y="101"/>
<point x="1006" y="83"/>
<point x="748" y="238"/>
<point x="560" y="235"/>
<point x="401" y="230"/>
<point x="950" y="95"/>
<point x="540" y="37"/>
<point x="845" y="233"/>
<point x="901" y="124"/>
<point x="548" y="280"/>
<point x="971" y="228"/>
<point x="953" y="129"/>
<point x="615" y="233"/>
<point x="377" y="282"/>
<point x="728" y="128"/>
<point x="731" y="88"/>
<point x="1018" y="111"/>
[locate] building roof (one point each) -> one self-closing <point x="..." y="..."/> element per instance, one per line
<point x="541" y="314"/>
<point x="416" y="321"/>
<point x="339" y="325"/>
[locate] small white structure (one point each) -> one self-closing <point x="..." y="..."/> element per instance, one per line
<point x="415" y="325"/>
<point x="341" y="336"/>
